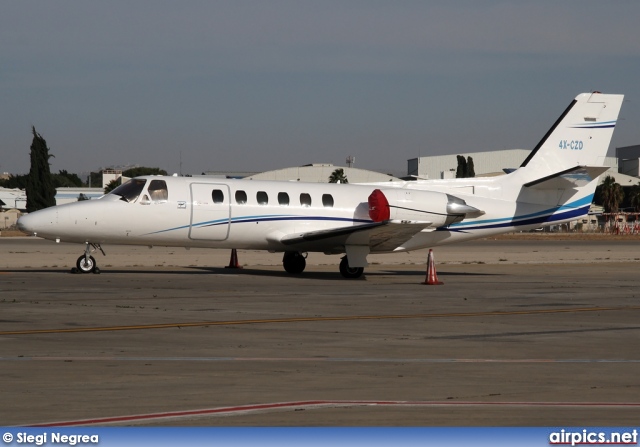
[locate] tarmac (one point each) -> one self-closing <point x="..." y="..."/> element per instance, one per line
<point x="522" y="333"/>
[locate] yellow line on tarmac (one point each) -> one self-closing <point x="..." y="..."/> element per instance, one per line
<point x="314" y="319"/>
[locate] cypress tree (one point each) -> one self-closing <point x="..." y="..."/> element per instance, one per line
<point x="461" y="170"/>
<point x="40" y="190"/>
<point x="471" y="172"/>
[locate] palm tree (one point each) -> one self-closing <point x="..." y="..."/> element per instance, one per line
<point x="113" y="184"/>
<point x="338" y="176"/>
<point x="612" y="195"/>
<point x="634" y="197"/>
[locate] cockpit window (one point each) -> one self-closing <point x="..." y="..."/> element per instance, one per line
<point x="158" y="191"/>
<point x="130" y="191"/>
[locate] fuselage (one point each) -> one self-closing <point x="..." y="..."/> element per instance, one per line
<point x="554" y="184"/>
<point x="247" y="214"/>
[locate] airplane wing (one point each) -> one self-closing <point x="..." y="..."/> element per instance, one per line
<point x="380" y="236"/>
<point x="395" y="234"/>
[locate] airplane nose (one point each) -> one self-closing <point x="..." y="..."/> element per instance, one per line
<point x="39" y="221"/>
<point x="25" y="223"/>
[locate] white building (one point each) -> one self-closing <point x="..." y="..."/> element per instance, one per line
<point x="629" y="160"/>
<point x="13" y="198"/>
<point x="109" y="175"/>
<point x="68" y="195"/>
<point x="9" y="218"/>
<point x="484" y="163"/>
<point x="320" y="173"/>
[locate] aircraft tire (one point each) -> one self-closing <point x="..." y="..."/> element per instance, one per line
<point x="293" y="262"/>
<point x="84" y="266"/>
<point x="350" y="272"/>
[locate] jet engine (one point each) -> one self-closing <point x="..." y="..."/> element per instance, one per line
<point x="419" y="206"/>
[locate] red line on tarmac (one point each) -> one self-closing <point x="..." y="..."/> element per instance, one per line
<point x="227" y="411"/>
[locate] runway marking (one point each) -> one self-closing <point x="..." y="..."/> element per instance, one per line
<point x="316" y="319"/>
<point x="306" y="359"/>
<point x="313" y="404"/>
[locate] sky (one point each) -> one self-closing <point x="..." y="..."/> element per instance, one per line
<point x="255" y="85"/>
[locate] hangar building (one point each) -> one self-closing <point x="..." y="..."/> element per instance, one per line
<point x="485" y="163"/>
<point x="320" y="173"/>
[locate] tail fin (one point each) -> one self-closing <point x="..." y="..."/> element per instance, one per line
<point x="579" y="138"/>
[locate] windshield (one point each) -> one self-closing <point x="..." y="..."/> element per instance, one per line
<point x="130" y="191"/>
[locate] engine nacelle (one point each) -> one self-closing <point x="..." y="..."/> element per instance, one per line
<point x="418" y="206"/>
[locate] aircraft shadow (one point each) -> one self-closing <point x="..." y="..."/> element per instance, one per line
<point x="203" y="270"/>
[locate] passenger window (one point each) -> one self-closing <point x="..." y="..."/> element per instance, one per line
<point x="327" y="200"/>
<point x="158" y="191"/>
<point x="283" y="198"/>
<point x="217" y="196"/>
<point x="305" y="199"/>
<point x="241" y="197"/>
<point x="263" y="198"/>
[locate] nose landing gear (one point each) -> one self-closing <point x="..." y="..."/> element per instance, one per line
<point x="87" y="263"/>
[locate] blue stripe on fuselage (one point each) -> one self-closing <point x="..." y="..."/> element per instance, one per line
<point x="261" y="218"/>
<point x="568" y="211"/>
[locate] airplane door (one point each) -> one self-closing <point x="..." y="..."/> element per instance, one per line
<point x="210" y="212"/>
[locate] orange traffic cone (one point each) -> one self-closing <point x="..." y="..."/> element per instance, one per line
<point x="432" y="277"/>
<point x="233" y="262"/>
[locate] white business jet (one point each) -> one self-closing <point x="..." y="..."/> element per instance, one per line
<point x="555" y="184"/>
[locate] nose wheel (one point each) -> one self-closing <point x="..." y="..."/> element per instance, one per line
<point x="87" y="263"/>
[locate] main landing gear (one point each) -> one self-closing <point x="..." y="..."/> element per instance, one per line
<point x="87" y="263"/>
<point x="294" y="262"/>
<point x="350" y="272"/>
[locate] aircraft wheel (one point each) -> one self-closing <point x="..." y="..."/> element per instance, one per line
<point x="84" y="265"/>
<point x="293" y="262"/>
<point x="350" y="272"/>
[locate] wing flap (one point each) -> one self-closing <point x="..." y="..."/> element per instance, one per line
<point x="381" y="236"/>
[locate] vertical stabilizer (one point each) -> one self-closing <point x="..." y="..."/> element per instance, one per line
<point x="580" y="137"/>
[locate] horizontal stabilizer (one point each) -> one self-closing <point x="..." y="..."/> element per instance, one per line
<point x="571" y="178"/>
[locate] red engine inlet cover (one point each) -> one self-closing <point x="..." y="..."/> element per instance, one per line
<point x="378" y="206"/>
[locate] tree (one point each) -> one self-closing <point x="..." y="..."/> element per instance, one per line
<point x="338" y="176"/>
<point x="612" y="194"/>
<point x="634" y="197"/>
<point x="470" y="172"/>
<point x="15" y="181"/>
<point x="40" y="190"/>
<point x="461" y="171"/>
<point x="64" y="179"/>
<point x="94" y="180"/>
<point x="113" y="184"/>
